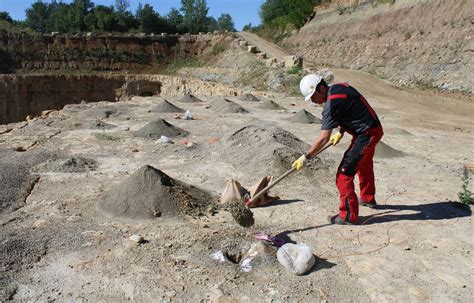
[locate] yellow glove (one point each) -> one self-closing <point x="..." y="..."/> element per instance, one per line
<point x="335" y="138"/>
<point x="298" y="164"/>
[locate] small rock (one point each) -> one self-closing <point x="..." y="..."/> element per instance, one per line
<point x="136" y="238"/>
<point x="407" y="248"/>
<point x="134" y="150"/>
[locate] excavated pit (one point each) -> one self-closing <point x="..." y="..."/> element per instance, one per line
<point x="150" y="193"/>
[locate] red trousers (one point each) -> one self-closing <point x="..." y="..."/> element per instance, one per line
<point x="357" y="160"/>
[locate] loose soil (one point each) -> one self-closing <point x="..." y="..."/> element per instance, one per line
<point x="150" y="193"/>
<point x="158" y="128"/>
<point x="189" y="98"/>
<point x="248" y="97"/>
<point x="304" y="117"/>
<point x="166" y="107"/>
<point x="228" y="107"/>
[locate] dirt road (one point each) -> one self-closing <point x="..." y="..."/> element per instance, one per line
<point x="271" y="49"/>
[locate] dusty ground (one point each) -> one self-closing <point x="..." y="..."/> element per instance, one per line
<point x="57" y="247"/>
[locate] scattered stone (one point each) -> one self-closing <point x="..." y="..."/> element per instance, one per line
<point x="137" y="239"/>
<point x="252" y="49"/>
<point x="98" y="124"/>
<point x="304" y="117"/>
<point x="166" y="107"/>
<point x="243" y="43"/>
<point x="271" y="62"/>
<point x="293" y="61"/>
<point x="158" y="128"/>
<point x="262" y="55"/>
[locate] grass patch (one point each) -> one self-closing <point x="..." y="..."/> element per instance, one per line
<point x="465" y="195"/>
<point x="295" y="70"/>
<point x="107" y="137"/>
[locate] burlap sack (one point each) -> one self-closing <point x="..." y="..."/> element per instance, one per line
<point x="265" y="199"/>
<point x="233" y="191"/>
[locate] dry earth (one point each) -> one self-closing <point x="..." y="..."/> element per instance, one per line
<point x="55" y="246"/>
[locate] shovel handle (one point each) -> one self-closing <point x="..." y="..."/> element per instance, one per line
<point x="286" y="174"/>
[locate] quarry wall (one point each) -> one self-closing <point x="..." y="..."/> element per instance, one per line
<point x="23" y="95"/>
<point x="136" y="54"/>
<point x="410" y="42"/>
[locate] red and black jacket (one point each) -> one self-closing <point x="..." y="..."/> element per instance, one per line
<point x="347" y="108"/>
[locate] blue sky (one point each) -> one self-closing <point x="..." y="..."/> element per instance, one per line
<point x="242" y="11"/>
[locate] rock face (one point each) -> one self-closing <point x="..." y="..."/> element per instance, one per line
<point x="412" y="42"/>
<point x="23" y="95"/>
<point x="100" y="53"/>
<point x="293" y="61"/>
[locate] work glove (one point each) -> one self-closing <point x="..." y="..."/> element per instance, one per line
<point x="299" y="164"/>
<point x="335" y="138"/>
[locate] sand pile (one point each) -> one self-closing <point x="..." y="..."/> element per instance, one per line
<point x="158" y="128"/>
<point x="188" y="98"/>
<point x="385" y="151"/>
<point x="150" y="193"/>
<point x="100" y="112"/>
<point x="166" y="107"/>
<point x="228" y="107"/>
<point x="304" y="117"/>
<point x="66" y="165"/>
<point x="272" y="105"/>
<point x="262" y="150"/>
<point x="248" y="97"/>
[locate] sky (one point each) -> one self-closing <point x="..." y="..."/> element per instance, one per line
<point x="242" y="11"/>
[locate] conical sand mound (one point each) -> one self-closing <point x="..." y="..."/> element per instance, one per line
<point x="228" y="107"/>
<point x="166" y="107"/>
<point x="304" y="117"/>
<point x="269" y="104"/>
<point x="158" y="128"/>
<point x="249" y="97"/>
<point x="385" y="151"/>
<point x="265" y="151"/>
<point x="150" y="193"/>
<point x="189" y="99"/>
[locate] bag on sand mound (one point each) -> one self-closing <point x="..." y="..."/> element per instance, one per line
<point x="235" y="191"/>
<point x="265" y="199"/>
<point x="296" y="258"/>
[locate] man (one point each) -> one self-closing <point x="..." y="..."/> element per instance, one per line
<point x="346" y="108"/>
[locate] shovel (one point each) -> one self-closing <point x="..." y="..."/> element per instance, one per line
<point x="286" y="174"/>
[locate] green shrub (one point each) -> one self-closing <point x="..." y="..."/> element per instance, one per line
<point x="218" y="48"/>
<point x="465" y="195"/>
<point x="295" y="70"/>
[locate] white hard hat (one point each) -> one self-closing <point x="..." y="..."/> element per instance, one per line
<point x="308" y="85"/>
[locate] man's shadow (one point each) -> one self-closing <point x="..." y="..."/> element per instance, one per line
<point x="432" y="211"/>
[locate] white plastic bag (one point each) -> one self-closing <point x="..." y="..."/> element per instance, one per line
<point x="164" y="140"/>
<point x="296" y="258"/>
<point x="188" y="115"/>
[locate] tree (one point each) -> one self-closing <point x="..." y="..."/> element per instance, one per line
<point x="226" y="23"/>
<point x="195" y="15"/>
<point x="212" y="24"/>
<point x="175" y="19"/>
<point x="247" y="27"/>
<point x="279" y="13"/>
<point x="122" y="6"/>
<point x="151" y="22"/>
<point x="6" y="16"/>
<point x="37" y="16"/>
